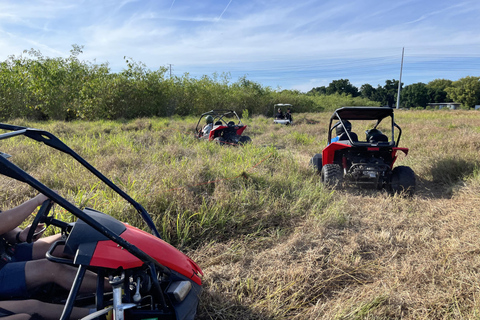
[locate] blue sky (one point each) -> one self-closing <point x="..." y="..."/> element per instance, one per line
<point x="283" y="44"/>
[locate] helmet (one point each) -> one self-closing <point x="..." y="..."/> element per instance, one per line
<point x="339" y="129"/>
<point x="209" y="119"/>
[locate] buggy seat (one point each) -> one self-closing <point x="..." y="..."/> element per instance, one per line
<point x="375" y="135"/>
<point x="343" y="138"/>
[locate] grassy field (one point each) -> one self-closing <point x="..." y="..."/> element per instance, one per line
<point x="272" y="242"/>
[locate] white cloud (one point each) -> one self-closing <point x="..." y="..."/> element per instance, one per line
<point x="267" y="40"/>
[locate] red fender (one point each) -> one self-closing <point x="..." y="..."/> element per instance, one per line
<point x="211" y="136"/>
<point x="329" y="152"/>
<point x="394" y="153"/>
<point x="109" y="255"/>
<point x="240" y="130"/>
<point x="221" y="127"/>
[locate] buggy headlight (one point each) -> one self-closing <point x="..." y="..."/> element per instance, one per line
<point x="179" y="290"/>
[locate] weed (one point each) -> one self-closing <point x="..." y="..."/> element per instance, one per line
<point x="272" y="242"/>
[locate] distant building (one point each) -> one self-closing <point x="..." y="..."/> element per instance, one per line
<point x="442" y="105"/>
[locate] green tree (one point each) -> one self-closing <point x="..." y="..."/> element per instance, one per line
<point x="342" y="86"/>
<point x="318" y="90"/>
<point x="415" y="95"/>
<point x="387" y="94"/>
<point x="14" y="93"/>
<point x="367" y="91"/>
<point x="436" y="90"/>
<point x="465" y="91"/>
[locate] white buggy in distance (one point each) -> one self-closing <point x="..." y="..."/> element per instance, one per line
<point x="284" y="119"/>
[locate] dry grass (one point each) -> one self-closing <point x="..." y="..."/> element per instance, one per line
<point x="367" y="255"/>
<point x="275" y="244"/>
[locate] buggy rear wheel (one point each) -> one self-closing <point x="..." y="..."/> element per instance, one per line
<point x="403" y="181"/>
<point x="244" y="140"/>
<point x="331" y="175"/>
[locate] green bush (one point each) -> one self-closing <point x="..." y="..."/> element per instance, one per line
<point x="40" y="88"/>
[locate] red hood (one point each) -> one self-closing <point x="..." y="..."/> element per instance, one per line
<point x="108" y="254"/>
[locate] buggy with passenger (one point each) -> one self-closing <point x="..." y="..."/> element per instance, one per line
<point x="365" y="161"/>
<point x="225" y="128"/>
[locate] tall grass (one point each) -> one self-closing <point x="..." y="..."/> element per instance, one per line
<point x="272" y="241"/>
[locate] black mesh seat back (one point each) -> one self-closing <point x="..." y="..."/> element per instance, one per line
<point x="378" y="137"/>
<point x="344" y="136"/>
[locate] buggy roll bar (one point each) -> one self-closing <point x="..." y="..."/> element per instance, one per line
<point x="363" y="113"/>
<point x="9" y="169"/>
<point x="218" y="113"/>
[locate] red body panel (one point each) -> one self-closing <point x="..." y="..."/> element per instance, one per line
<point x="211" y="136"/>
<point x="107" y="254"/>
<point x="394" y="153"/>
<point x="329" y="152"/>
<point x="240" y="130"/>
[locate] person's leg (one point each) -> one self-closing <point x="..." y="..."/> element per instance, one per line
<point x="38" y="249"/>
<point x="39" y="272"/>
<point x="26" y="308"/>
<point x="12" y="280"/>
<point x="18" y="316"/>
<point x="42" y="245"/>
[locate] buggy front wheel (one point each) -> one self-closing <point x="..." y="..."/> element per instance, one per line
<point x="219" y="140"/>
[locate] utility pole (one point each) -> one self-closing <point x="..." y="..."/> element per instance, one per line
<point x="170" y="69"/>
<point x="400" y="81"/>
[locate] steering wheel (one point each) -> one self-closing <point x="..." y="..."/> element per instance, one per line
<point x="41" y="217"/>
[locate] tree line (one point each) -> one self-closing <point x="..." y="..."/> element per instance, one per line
<point x="38" y="87"/>
<point x="465" y="91"/>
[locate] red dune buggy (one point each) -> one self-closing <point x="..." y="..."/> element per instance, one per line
<point x="364" y="161"/>
<point x="150" y="278"/>
<point x="223" y="126"/>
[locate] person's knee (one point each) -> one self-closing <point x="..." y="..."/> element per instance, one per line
<point x="39" y="250"/>
<point x="19" y="316"/>
<point x="33" y="305"/>
<point x="42" y="271"/>
<point x="41" y="246"/>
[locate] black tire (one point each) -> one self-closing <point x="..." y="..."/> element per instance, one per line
<point x="332" y="175"/>
<point x="403" y="181"/>
<point x="316" y="162"/>
<point x="244" y="140"/>
<point x="219" y="140"/>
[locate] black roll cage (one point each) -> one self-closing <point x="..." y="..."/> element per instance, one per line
<point x="218" y="115"/>
<point x="9" y="169"/>
<point x="363" y="113"/>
